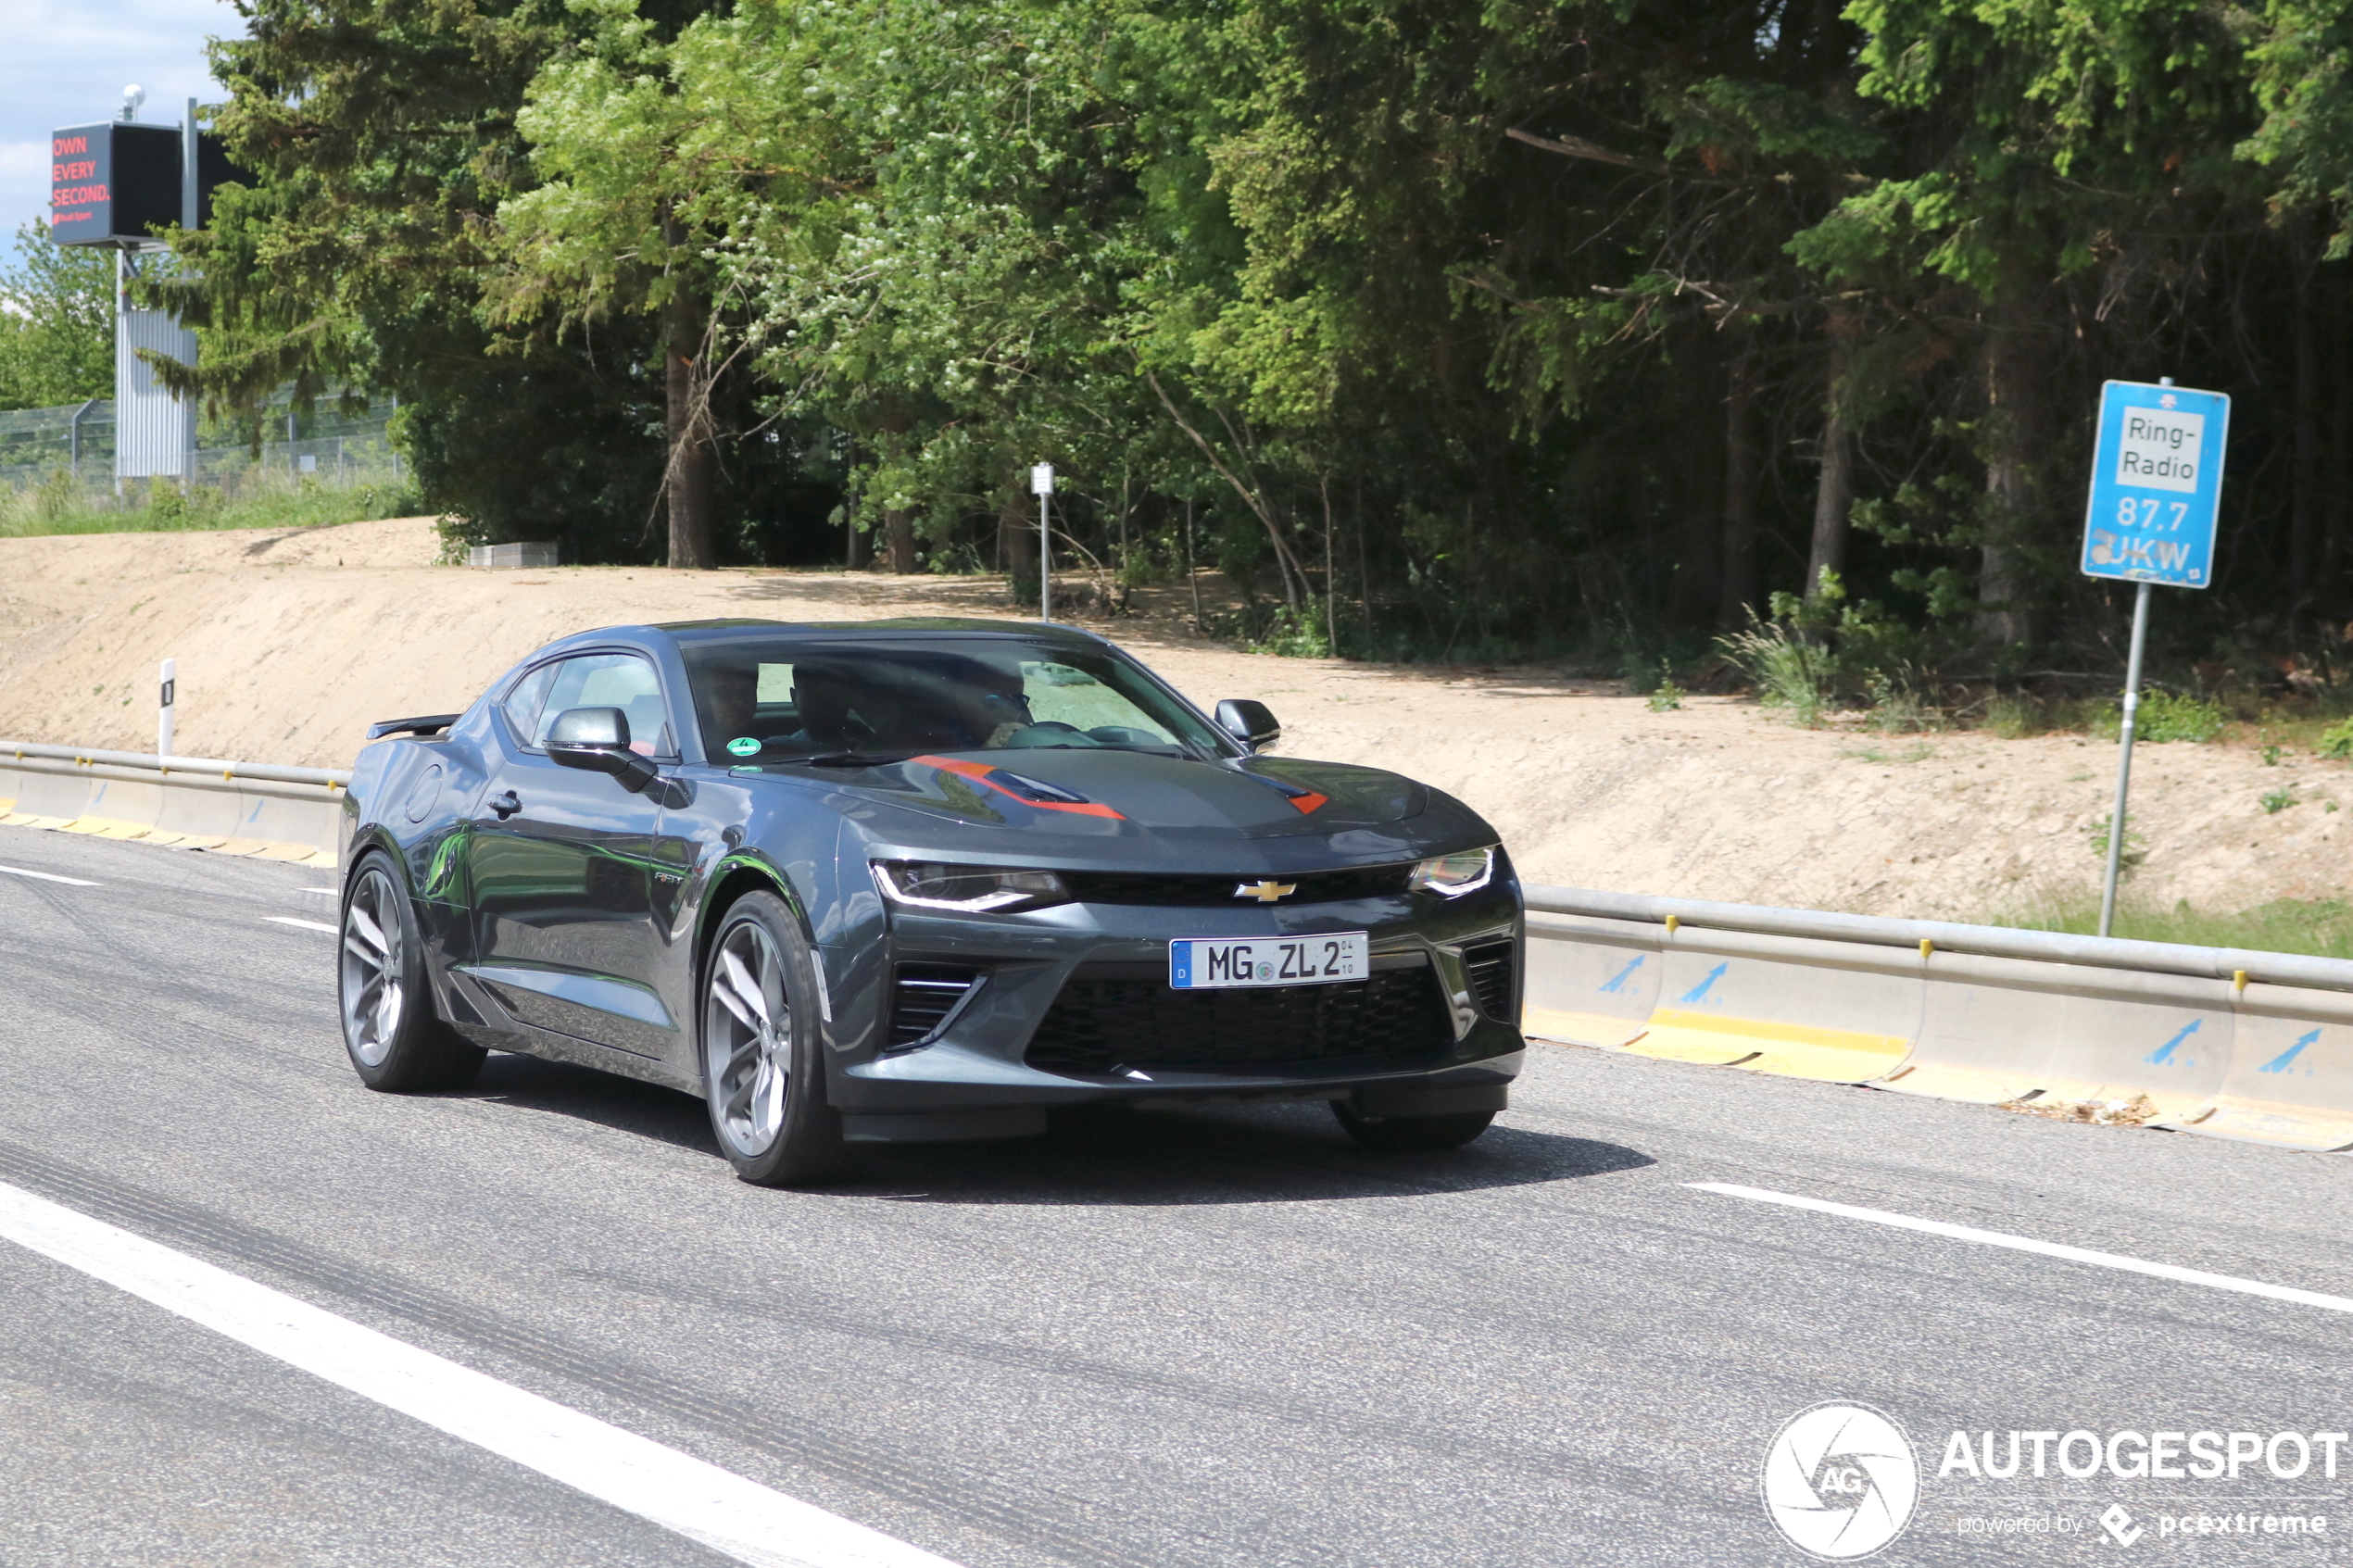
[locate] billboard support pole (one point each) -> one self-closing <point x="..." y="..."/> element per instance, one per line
<point x="189" y="204"/>
<point x="2124" y="755"/>
<point x="122" y="403"/>
<point x="188" y="170"/>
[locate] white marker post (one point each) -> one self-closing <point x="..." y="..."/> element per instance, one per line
<point x="1041" y="484"/>
<point x="2157" y="492"/>
<point x="164" y="696"/>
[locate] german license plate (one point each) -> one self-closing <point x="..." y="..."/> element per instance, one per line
<point x="1206" y="964"/>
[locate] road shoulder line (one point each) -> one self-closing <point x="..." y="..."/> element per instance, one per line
<point x="741" y="1518"/>
<point x="2028" y="1244"/>
<point x="49" y="876"/>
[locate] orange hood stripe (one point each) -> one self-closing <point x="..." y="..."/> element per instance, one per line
<point x="978" y="772"/>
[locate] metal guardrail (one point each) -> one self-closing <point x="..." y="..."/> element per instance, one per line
<point x="2218" y="1041"/>
<point x="165" y="766"/>
<point x="216" y="803"/>
<point x="1991" y="941"/>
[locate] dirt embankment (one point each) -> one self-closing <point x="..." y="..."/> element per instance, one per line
<point x="289" y="643"/>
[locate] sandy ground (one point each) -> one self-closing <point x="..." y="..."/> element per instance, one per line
<point x="290" y="643"/>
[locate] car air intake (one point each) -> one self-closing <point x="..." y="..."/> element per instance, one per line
<point x="922" y="998"/>
<point x="1218" y="891"/>
<point x="1488" y="968"/>
<point x="1106" y="1025"/>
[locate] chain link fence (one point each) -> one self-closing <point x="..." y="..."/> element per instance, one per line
<point x="70" y="451"/>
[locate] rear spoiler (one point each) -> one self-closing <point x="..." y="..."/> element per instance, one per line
<point x="433" y="723"/>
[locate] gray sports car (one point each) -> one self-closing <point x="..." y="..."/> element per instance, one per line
<point x="913" y="881"/>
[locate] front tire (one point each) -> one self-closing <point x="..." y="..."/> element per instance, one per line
<point x="764" y="1078"/>
<point x="389" y="1030"/>
<point x="1411" y="1135"/>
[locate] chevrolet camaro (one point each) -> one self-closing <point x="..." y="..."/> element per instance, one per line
<point x="916" y="881"/>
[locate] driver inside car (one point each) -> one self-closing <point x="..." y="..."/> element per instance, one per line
<point x="934" y="704"/>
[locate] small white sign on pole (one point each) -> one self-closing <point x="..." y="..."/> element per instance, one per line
<point x="168" y="681"/>
<point x="1041" y="484"/>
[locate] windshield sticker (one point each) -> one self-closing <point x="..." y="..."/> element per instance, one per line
<point x="744" y="746"/>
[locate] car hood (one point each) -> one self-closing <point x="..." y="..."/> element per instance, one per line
<point x="1108" y="794"/>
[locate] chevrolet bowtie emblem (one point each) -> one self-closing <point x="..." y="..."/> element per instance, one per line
<point x="1265" y="892"/>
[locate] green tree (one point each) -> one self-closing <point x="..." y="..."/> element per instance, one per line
<point x="383" y="136"/>
<point x="56" y="323"/>
<point x="2045" y="151"/>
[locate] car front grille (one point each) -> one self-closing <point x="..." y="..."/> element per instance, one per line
<point x="1105" y="1026"/>
<point x="922" y="998"/>
<point x="1218" y="891"/>
<point x="1488" y="968"/>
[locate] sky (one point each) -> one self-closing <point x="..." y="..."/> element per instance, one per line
<point x="66" y="62"/>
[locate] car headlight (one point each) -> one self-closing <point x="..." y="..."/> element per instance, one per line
<point x="928" y="885"/>
<point x="1453" y="875"/>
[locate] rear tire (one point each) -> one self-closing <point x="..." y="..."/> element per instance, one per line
<point x="396" y="1042"/>
<point x="763" y="1069"/>
<point x="1411" y="1135"/>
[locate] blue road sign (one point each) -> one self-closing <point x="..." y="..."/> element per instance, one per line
<point x="2157" y="484"/>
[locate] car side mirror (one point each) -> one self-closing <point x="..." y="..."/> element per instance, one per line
<point x="596" y="740"/>
<point x="1249" y="722"/>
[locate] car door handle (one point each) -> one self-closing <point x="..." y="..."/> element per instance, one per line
<point x="504" y="804"/>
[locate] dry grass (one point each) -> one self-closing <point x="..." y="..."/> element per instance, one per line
<point x="2138" y="1111"/>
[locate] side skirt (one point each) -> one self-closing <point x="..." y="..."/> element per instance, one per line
<point x="507" y="1033"/>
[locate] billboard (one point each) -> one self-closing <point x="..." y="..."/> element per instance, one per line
<point x="111" y="182"/>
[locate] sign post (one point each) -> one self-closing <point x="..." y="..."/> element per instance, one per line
<point x="166" y="695"/>
<point x="2157" y="492"/>
<point x="1041" y="484"/>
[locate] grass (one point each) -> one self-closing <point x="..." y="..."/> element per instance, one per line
<point x="2322" y="927"/>
<point x="2170" y="716"/>
<point x="1791" y="673"/>
<point x="157" y="506"/>
<point x="1920" y="752"/>
<point x="2275" y="727"/>
<point x="2018" y="715"/>
<point x="2137" y="848"/>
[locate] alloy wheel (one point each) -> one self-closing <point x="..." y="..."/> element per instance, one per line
<point x="372" y="988"/>
<point x="747" y="1038"/>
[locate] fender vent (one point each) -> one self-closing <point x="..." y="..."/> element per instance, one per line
<point x="922" y="999"/>
<point x="1489" y="969"/>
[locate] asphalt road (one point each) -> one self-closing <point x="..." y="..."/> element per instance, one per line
<point x="1205" y="1340"/>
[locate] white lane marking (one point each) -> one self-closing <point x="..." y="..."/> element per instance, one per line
<point x="305" y="925"/>
<point x="329" y="891"/>
<point x="747" y="1522"/>
<point x="2047" y="1248"/>
<point x="48" y="876"/>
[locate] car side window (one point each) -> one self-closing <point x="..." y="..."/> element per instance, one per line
<point x="522" y="705"/>
<point x="610" y="680"/>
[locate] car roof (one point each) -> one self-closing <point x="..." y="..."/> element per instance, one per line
<point x="684" y="634"/>
<point x="910" y="628"/>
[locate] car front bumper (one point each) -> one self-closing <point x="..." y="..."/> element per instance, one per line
<point x="970" y="1077"/>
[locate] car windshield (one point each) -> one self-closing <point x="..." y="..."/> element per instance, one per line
<point x="782" y="699"/>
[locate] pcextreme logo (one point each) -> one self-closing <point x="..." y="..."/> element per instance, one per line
<point x="1841" y="1481"/>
